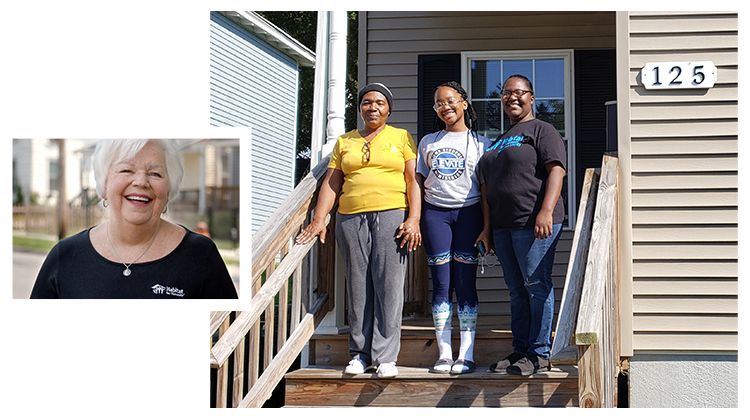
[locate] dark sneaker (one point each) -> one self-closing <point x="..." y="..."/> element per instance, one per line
<point x="528" y="366"/>
<point x="523" y="367"/>
<point x="543" y="364"/>
<point x="463" y="366"/>
<point x="502" y="365"/>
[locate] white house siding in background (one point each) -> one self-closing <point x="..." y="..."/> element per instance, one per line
<point x="683" y="160"/>
<point x="389" y="45"/>
<point x="255" y="85"/>
<point x="33" y="159"/>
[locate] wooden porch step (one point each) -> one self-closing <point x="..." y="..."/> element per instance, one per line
<point x="418" y="345"/>
<point x="417" y="387"/>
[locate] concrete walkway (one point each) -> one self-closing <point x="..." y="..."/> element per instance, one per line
<point x="25" y="268"/>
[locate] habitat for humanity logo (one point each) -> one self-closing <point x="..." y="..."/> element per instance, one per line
<point x="158" y="289"/>
<point x="448" y="163"/>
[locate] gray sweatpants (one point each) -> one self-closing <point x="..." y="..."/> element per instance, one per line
<point x="375" y="270"/>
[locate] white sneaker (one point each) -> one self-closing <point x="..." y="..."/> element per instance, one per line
<point x="355" y="367"/>
<point x="387" y="370"/>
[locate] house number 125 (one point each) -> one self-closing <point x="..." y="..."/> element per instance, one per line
<point x="679" y="75"/>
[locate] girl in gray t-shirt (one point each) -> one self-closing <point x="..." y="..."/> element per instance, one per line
<point x="452" y="220"/>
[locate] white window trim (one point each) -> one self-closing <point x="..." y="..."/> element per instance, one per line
<point x="570" y="129"/>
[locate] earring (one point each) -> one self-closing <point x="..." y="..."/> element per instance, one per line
<point x="105" y="203"/>
<point x="165" y="210"/>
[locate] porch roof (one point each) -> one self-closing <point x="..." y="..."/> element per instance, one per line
<point x="272" y="34"/>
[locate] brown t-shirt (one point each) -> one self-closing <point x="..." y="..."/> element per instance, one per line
<point x="512" y="171"/>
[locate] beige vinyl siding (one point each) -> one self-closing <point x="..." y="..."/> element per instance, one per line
<point x="389" y="46"/>
<point x="683" y="158"/>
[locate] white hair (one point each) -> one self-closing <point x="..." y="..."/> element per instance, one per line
<point x="109" y="152"/>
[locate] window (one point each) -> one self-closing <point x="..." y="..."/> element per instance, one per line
<point x="483" y="74"/>
<point x="54" y="175"/>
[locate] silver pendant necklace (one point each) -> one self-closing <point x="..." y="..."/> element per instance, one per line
<point x="126" y="272"/>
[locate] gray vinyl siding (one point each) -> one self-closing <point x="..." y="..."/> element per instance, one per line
<point x="683" y="155"/>
<point x="391" y="41"/>
<point x="254" y="85"/>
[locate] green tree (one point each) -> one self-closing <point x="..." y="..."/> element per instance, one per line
<point x="302" y="26"/>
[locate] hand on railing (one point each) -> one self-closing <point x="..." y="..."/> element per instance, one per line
<point x="315" y="228"/>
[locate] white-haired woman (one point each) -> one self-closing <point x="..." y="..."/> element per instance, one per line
<point x="135" y="253"/>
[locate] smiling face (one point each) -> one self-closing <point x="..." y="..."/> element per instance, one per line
<point x="518" y="107"/>
<point x="138" y="188"/>
<point x="449" y="105"/>
<point x="374" y="109"/>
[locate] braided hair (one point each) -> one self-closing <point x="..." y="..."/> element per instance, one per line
<point x="470" y="115"/>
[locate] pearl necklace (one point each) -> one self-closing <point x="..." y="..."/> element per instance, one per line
<point x="127" y="271"/>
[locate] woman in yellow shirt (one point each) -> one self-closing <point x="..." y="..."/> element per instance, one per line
<point x="377" y="224"/>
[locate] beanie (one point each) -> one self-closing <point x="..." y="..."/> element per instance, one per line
<point x="379" y="87"/>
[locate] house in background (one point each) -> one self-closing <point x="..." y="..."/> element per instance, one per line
<point x="210" y="186"/>
<point x="254" y="83"/>
<point x="209" y="190"/>
<point x="677" y="151"/>
<point x="36" y="170"/>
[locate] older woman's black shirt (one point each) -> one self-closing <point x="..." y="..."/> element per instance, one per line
<point x="73" y="269"/>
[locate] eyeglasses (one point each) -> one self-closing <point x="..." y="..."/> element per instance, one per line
<point x="450" y="103"/>
<point x="366" y="151"/>
<point x="517" y="92"/>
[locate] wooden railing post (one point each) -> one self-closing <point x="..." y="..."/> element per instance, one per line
<point x="564" y="349"/>
<point x="238" y="380"/>
<point x="222" y="380"/>
<point x="596" y="330"/>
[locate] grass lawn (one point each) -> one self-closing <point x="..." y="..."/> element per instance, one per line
<point x="43" y="246"/>
<point x="230" y="261"/>
<point x="33" y="244"/>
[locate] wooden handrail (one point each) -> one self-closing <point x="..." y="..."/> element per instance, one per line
<point x="241" y="325"/>
<point x="217" y="318"/>
<point x="284" y="358"/>
<point x="285" y="220"/>
<point x="597" y="333"/>
<point x="275" y="239"/>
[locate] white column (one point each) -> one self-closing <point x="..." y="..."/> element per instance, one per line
<point x="320" y="95"/>
<point x="336" y="105"/>
<point x="336" y="79"/>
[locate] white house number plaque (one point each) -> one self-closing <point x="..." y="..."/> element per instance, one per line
<point x="679" y="75"/>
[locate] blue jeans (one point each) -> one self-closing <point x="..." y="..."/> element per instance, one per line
<point x="527" y="268"/>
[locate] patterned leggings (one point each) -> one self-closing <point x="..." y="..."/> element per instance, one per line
<point x="449" y="236"/>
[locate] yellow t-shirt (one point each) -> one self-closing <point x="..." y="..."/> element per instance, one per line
<point x="378" y="184"/>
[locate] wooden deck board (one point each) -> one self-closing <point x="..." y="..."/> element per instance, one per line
<point x="418" y="345"/>
<point x="417" y="387"/>
<point x="408" y="372"/>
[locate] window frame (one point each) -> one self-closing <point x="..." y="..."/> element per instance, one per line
<point x="569" y="91"/>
